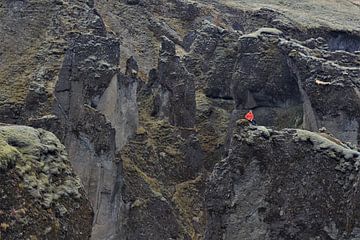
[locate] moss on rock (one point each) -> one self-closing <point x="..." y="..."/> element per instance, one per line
<point x="39" y="159"/>
<point x="8" y="155"/>
<point x="41" y="198"/>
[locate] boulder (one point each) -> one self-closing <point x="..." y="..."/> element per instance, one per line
<point x="41" y="197"/>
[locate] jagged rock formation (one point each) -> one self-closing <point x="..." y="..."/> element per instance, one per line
<point x="41" y="198"/>
<point x="89" y="69"/>
<point x="236" y="72"/>
<point x="289" y="184"/>
<point x="74" y="73"/>
<point x="329" y="87"/>
<point x="38" y="31"/>
<point x="288" y="83"/>
<point x="145" y="94"/>
<point x="175" y="99"/>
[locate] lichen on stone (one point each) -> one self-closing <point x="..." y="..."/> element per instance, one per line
<point x="255" y="132"/>
<point x="332" y="148"/>
<point x="323" y="143"/>
<point x="40" y="160"/>
<point x="8" y="155"/>
<point x="256" y="34"/>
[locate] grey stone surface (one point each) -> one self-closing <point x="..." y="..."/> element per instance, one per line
<point x="143" y="142"/>
<point x="119" y="105"/>
<point x="41" y="197"/>
<point x="290" y="184"/>
<point x="175" y="98"/>
<point x="93" y="129"/>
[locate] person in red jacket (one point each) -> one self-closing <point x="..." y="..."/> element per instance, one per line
<point x="250" y="117"/>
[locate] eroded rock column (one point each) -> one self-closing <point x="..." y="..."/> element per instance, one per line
<point x="96" y="104"/>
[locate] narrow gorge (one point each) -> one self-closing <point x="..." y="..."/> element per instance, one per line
<point x="122" y="119"/>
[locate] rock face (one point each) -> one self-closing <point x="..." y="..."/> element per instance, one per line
<point x="288" y="83"/>
<point x="145" y="94"/>
<point x="39" y="31"/>
<point x="175" y="100"/>
<point x="96" y="106"/>
<point x="289" y="184"/>
<point x="41" y="198"/>
<point x="75" y="90"/>
<point x="329" y="87"/>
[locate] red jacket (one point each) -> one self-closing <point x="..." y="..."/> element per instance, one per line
<point x="249" y="116"/>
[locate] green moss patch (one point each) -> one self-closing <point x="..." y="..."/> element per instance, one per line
<point x="40" y="160"/>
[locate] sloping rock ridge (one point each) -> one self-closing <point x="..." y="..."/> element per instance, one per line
<point x="289" y="184"/>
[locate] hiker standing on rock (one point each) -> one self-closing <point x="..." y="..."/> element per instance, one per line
<point x="250" y="117"/>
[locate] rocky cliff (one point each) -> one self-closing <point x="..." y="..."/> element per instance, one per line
<point x="70" y="84"/>
<point x="289" y="184"/>
<point x="41" y="197"/>
<point x="145" y="95"/>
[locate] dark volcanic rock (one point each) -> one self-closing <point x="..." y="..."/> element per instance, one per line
<point x="41" y="198"/>
<point x="186" y="11"/>
<point x="261" y="77"/>
<point x="132" y="2"/>
<point x="97" y="109"/>
<point x="149" y="218"/>
<point x="288" y="83"/>
<point x="25" y="24"/>
<point x="194" y="155"/>
<point x="132" y="67"/>
<point x="290" y="184"/>
<point x="328" y="83"/>
<point x="344" y="41"/>
<point x="73" y="89"/>
<point x="204" y="57"/>
<point x="175" y="98"/>
<point x="60" y="71"/>
<point x="249" y="69"/>
<point x="98" y="58"/>
<point x="262" y="80"/>
<point x="160" y="28"/>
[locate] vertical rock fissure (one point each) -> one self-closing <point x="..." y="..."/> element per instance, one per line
<point x="309" y="117"/>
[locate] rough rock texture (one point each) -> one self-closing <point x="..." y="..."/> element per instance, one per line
<point x="41" y="198"/>
<point x="119" y="105"/>
<point x="145" y="129"/>
<point x="288" y="83"/>
<point x="32" y="50"/>
<point x="289" y="184"/>
<point x="94" y="104"/>
<point x="160" y="167"/>
<point x="175" y="99"/>
<point x="329" y="87"/>
<point x="66" y="76"/>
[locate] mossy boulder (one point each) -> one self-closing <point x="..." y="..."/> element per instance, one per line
<point x="41" y="198"/>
